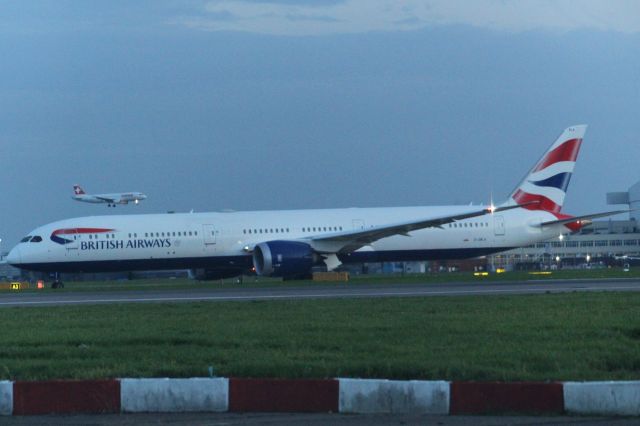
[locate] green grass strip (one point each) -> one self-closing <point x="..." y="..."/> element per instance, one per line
<point x="579" y="336"/>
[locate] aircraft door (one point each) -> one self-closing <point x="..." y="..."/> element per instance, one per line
<point x="72" y="247"/>
<point x="498" y="226"/>
<point x="358" y="225"/>
<point x="209" y="236"/>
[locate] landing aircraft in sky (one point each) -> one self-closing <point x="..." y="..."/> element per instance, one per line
<point x="288" y="243"/>
<point x="110" y="199"/>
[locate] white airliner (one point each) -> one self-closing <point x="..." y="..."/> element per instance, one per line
<point x="110" y="199"/>
<point x="289" y="243"/>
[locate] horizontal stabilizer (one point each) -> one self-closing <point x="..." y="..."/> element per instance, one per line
<point x="580" y="219"/>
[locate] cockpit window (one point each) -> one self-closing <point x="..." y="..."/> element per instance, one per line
<point x="25" y="239"/>
<point x="36" y="239"/>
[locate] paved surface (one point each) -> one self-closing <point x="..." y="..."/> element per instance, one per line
<point x="316" y="292"/>
<point x="311" y="419"/>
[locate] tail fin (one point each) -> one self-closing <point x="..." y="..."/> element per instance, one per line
<point x="546" y="183"/>
<point x="77" y="189"/>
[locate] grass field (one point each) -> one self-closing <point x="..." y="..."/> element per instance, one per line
<point x="590" y="336"/>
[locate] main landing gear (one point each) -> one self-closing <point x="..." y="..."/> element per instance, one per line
<point x="57" y="283"/>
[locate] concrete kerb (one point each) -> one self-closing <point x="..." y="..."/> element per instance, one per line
<point x="604" y="398"/>
<point x="174" y="395"/>
<point x="619" y="398"/>
<point x="393" y="396"/>
<point x="6" y="398"/>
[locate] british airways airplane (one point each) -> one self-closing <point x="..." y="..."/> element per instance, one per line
<point x="289" y="243"/>
<point x="110" y="199"/>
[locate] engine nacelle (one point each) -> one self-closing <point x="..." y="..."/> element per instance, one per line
<point x="283" y="258"/>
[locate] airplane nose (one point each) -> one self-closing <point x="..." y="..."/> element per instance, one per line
<point x="14" y="257"/>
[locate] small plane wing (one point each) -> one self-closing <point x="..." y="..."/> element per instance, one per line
<point x="344" y="242"/>
<point x="584" y="218"/>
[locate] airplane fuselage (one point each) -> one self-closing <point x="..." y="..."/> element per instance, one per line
<point x="116" y="198"/>
<point x="289" y="243"/>
<point x="224" y="241"/>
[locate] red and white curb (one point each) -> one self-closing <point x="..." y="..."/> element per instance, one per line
<point x="609" y="398"/>
<point x="328" y="395"/>
<point x="6" y="398"/>
<point x="393" y="396"/>
<point x="173" y="395"/>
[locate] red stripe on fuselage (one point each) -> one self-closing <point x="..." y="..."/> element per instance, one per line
<point x="568" y="151"/>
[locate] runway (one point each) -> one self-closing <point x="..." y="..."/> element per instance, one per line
<point x="247" y="293"/>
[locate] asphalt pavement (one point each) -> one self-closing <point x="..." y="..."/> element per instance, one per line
<point x="360" y="290"/>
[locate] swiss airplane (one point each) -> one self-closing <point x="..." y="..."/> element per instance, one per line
<point x="288" y="243"/>
<point x="110" y="199"/>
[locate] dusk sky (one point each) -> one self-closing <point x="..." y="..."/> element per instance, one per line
<point x="285" y="104"/>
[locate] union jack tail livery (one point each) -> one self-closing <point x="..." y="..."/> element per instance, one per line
<point x="545" y="186"/>
<point x="77" y="189"/>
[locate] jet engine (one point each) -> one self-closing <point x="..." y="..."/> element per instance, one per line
<point x="283" y="258"/>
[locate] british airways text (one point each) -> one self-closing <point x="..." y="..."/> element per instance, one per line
<point x="120" y="244"/>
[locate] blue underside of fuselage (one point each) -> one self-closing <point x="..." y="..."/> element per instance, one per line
<point x="244" y="263"/>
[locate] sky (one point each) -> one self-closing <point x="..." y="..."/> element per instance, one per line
<point x="286" y="104"/>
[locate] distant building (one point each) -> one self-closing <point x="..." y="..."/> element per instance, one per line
<point x="630" y="198"/>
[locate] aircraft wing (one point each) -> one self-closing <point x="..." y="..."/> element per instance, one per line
<point x="105" y="199"/>
<point x="345" y="242"/>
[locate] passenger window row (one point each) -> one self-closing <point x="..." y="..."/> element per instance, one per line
<point x="286" y="230"/>
<point x="171" y="234"/>
<point x="322" y="229"/>
<point x="146" y="235"/>
<point x="468" y="225"/>
<point x="265" y="231"/>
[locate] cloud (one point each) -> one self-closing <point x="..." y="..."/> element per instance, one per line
<point x="284" y="17"/>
